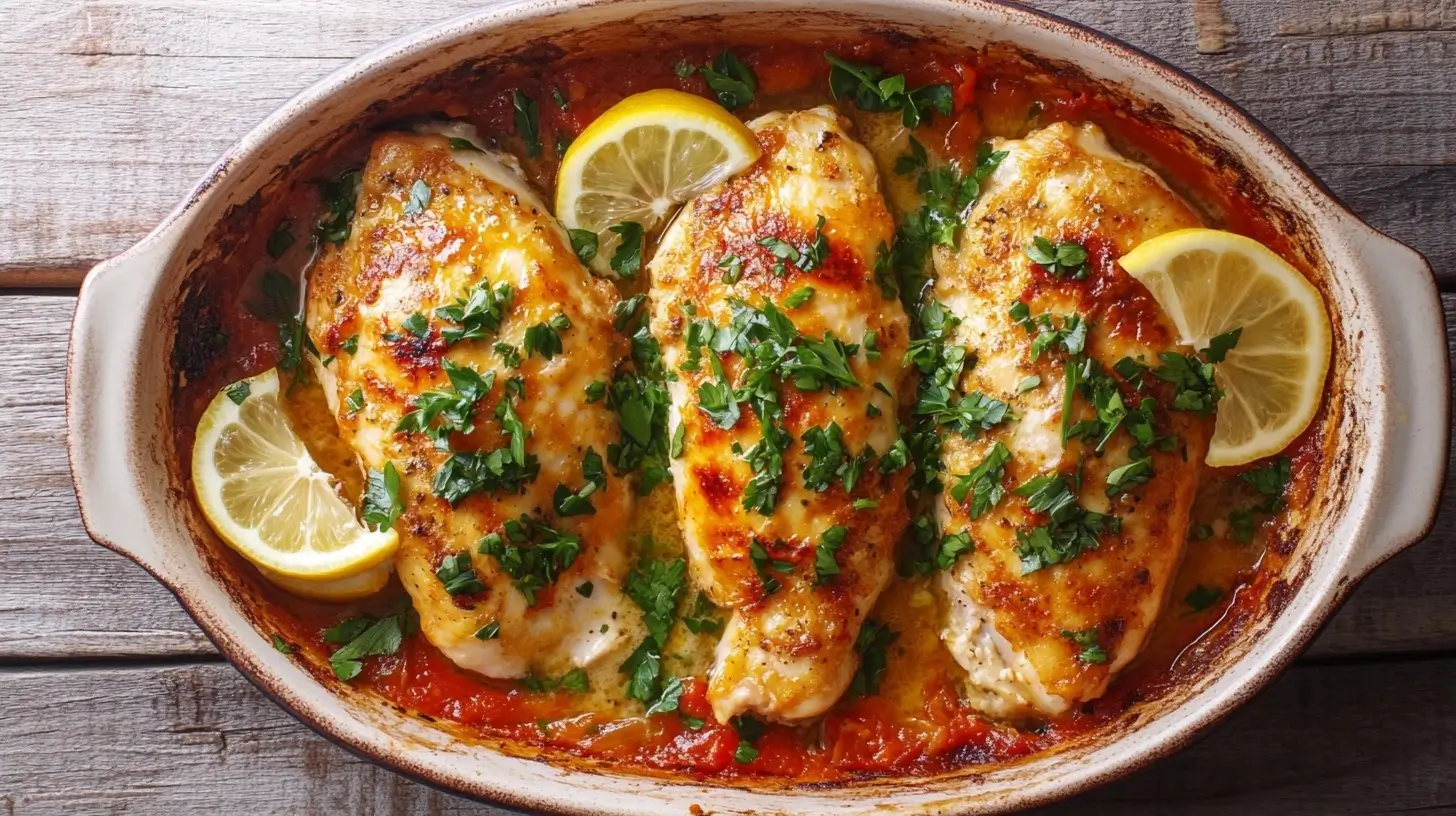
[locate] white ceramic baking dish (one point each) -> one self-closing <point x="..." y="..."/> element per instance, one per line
<point x="1378" y="490"/>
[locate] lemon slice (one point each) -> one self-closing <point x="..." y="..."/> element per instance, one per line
<point x="262" y="492"/>
<point x="335" y="590"/>
<point x="1211" y="282"/>
<point x="642" y="159"/>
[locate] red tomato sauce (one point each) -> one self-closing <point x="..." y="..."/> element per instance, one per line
<point x="994" y="93"/>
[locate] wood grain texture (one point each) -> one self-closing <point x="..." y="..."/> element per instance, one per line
<point x="181" y="739"/>
<point x="1408" y="605"/>
<point x="114" y="107"/>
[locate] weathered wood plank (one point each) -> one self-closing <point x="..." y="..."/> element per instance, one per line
<point x="162" y="740"/>
<point x="50" y="607"/>
<point x="96" y="93"/>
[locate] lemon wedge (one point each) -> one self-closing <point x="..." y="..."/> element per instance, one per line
<point x="265" y="496"/>
<point x="642" y="159"/>
<point x="335" y="590"/>
<point x="1210" y="283"/>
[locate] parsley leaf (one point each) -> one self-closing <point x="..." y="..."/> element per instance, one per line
<point x="872" y="643"/>
<point x="731" y="80"/>
<point x="762" y="563"/>
<point x="1070" y="531"/>
<point x="419" y="197"/>
<point x="1092" y="651"/>
<point x="825" y="565"/>
<point x="870" y="90"/>
<point x="458" y="575"/>
<point x="477" y="314"/>
<point x="361" y="638"/>
<point x="527" y="123"/>
<point x="1220" y="346"/>
<point x="578" y="503"/>
<point x="280" y="239"/>
<point x="239" y="391"/>
<point x="656" y="587"/>
<point x="1202" y="597"/>
<point x="583" y="243"/>
<point x="627" y="258"/>
<point x="545" y="338"/>
<point x="490" y="631"/>
<point x="381" y="506"/>
<point x="799" y="297"/>
<point x="983" y="483"/>
<point x="339" y="198"/>
<point x="531" y="553"/>
<point x="1064" y="259"/>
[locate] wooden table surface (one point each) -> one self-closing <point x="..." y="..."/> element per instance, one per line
<point x="111" y="700"/>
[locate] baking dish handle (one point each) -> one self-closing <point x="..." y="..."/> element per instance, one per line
<point x="1417" y="389"/>
<point x="114" y="404"/>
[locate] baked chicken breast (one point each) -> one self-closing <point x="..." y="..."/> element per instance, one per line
<point x="461" y="334"/>
<point x="1077" y="518"/>
<point x="788" y="364"/>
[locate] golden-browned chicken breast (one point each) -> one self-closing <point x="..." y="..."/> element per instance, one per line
<point x="461" y="334"/>
<point x="1077" y="500"/>
<point x="788" y="358"/>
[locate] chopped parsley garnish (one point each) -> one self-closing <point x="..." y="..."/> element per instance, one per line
<point x="381" y="506"/>
<point x="763" y="563"/>
<point x="510" y="355"/>
<point x="1027" y="384"/>
<point x="490" y="631"/>
<point x="238" y="392"/>
<point x="766" y="459"/>
<point x="1128" y="476"/>
<point x="438" y="412"/>
<point x="417" y="324"/>
<point x="1062" y="260"/>
<point x="280" y="239"/>
<point x="656" y="587"/>
<point x="805" y="258"/>
<point x="825" y="565"/>
<point x="350" y="345"/>
<point x="627" y="257"/>
<point x="952" y="547"/>
<point x="354" y="402"/>
<point x="625" y="312"/>
<point x="1220" y="346"/>
<point x="1193" y="380"/>
<point x="716" y="399"/>
<point x="865" y="504"/>
<point x="559" y="98"/>
<point x="503" y="470"/>
<point x="578" y="503"/>
<point x="527" y="124"/>
<point x="870" y="90"/>
<point x="419" y="198"/>
<point x="583" y="243"/>
<point x="575" y="680"/>
<point x="1241" y="525"/>
<point x="457" y="143"/>
<point x="942" y="363"/>
<point x="730" y="80"/>
<point x="829" y="461"/>
<point x="281" y="645"/>
<point x="545" y="338"/>
<point x="1202" y="597"/>
<point x="1092" y="651"/>
<point x="799" y="297"/>
<point x="476" y="315"/>
<point x="365" y="637"/>
<point x="1200" y="532"/>
<point x="641" y="405"/>
<point x="745" y="752"/>
<point x="585" y="589"/>
<point x="531" y="553"/>
<point x="339" y="198"/>
<point x="684" y="69"/>
<point x="675" y="446"/>
<point x="983" y="484"/>
<point x="596" y="391"/>
<point x="700" y="617"/>
<point x="1070" y="531"/>
<point x="667" y="702"/>
<point x="872" y="643"/>
<point x="1269" y="480"/>
<point x="458" y="575"/>
<point x="732" y="267"/>
<point x="279" y="305"/>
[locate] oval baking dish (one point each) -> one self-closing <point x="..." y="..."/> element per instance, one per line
<point x="1387" y="411"/>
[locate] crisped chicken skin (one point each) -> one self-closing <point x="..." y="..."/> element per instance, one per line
<point x="461" y="333"/>
<point x="1045" y="611"/>
<point x="790" y="494"/>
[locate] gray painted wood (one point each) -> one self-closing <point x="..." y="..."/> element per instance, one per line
<point x="183" y="739"/>
<point x="113" y="109"/>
